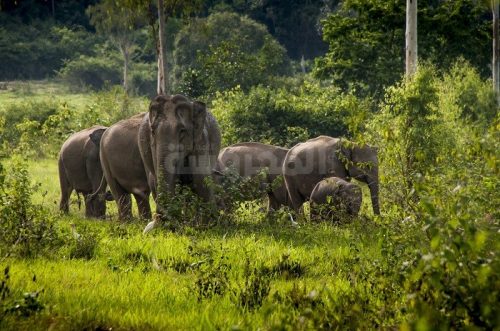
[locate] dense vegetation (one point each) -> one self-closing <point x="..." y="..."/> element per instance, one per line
<point x="429" y="262"/>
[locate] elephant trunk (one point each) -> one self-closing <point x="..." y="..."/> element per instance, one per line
<point x="373" y="186"/>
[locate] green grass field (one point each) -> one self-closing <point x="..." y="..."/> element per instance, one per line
<point x="150" y="282"/>
<point x="433" y="267"/>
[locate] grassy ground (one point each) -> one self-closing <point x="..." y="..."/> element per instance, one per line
<point x="248" y="271"/>
<point x="19" y="91"/>
<point x="141" y="282"/>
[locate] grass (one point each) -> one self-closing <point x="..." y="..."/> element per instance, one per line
<point x="19" y="91"/>
<point x="149" y="282"/>
<point x="195" y="278"/>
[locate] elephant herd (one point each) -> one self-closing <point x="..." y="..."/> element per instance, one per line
<point x="178" y="141"/>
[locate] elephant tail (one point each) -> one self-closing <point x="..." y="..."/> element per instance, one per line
<point x="102" y="186"/>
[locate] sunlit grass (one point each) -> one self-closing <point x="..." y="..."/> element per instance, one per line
<point x="123" y="287"/>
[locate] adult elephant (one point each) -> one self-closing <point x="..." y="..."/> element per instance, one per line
<point x="179" y="141"/>
<point x="80" y="170"/>
<point x="250" y="158"/>
<point x="308" y="163"/>
<point x="123" y="168"/>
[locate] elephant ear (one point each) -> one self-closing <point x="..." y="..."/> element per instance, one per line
<point x="199" y="117"/>
<point x="156" y="108"/>
<point x="345" y="153"/>
<point x="96" y="136"/>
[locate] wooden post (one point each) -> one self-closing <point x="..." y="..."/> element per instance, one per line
<point x="411" y="37"/>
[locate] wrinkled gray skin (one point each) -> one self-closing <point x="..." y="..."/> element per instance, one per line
<point x="179" y="141"/>
<point x="123" y="168"/>
<point x="249" y="158"/>
<point x="309" y="162"/>
<point x="345" y="196"/>
<point x="80" y="170"/>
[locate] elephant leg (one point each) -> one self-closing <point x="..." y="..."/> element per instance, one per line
<point x="143" y="205"/>
<point x="296" y="198"/>
<point x="273" y="203"/>
<point x="201" y="189"/>
<point x="124" y="206"/>
<point x="89" y="205"/>
<point x="66" y="189"/>
<point x="122" y="199"/>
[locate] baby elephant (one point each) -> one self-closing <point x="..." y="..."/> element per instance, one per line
<point x="343" y="196"/>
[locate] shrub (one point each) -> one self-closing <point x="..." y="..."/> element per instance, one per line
<point x="284" y="118"/>
<point x="255" y="289"/>
<point x="37" y="50"/>
<point x="411" y="132"/>
<point x="84" y="243"/>
<point x="27" y="110"/>
<point x="455" y="282"/>
<point x="223" y="51"/>
<point x="143" y="79"/>
<point x="26" y="229"/>
<point x="212" y="276"/>
<point x="91" y="72"/>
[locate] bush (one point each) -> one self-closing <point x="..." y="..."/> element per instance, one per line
<point x="282" y="117"/>
<point x="84" y="243"/>
<point x="143" y="79"/>
<point x="91" y="72"/>
<point x="223" y="51"/>
<point x="38" y="50"/>
<point x="26" y="229"/>
<point x="38" y="128"/>
<point x="28" y="110"/>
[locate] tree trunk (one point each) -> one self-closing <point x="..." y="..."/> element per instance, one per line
<point x="161" y="87"/>
<point x="126" y="60"/>
<point x="496" y="51"/>
<point x="411" y="37"/>
<point x="53" y="9"/>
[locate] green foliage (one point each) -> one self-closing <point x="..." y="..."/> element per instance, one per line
<point x="26" y="229"/>
<point x="412" y="133"/>
<point x="366" y="40"/>
<point x="143" y="79"/>
<point x="39" y="49"/>
<point x="465" y="95"/>
<point x="212" y="277"/>
<point x="25" y="307"/>
<point x="184" y="208"/>
<point x="91" y="72"/>
<point x="255" y="289"/>
<point x="39" y="126"/>
<point x="85" y="243"/>
<point x="283" y="117"/>
<point x="223" y="51"/>
<point x="26" y="110"/>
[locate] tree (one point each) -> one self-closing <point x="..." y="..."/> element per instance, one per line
<point x="225" y="50"/>
<point x="366" y="39"/>
<point x="411" y="37"/>
<point x="496" y="50"/>
<point x="119" y="24"/>
<point x="161" y="88"/>
<point x="165" y="9"/>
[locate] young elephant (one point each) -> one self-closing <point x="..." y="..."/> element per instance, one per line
<point x="249" y="158"/>
<point x="344" y="196"/>
<point x="80" y="170"/>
